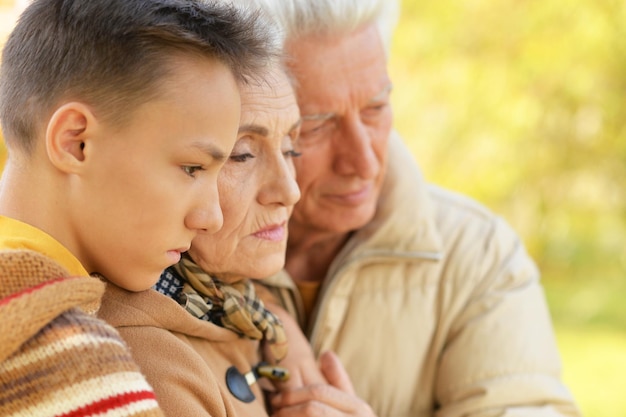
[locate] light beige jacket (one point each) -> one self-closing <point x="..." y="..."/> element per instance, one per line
<point x="436" y="309"/>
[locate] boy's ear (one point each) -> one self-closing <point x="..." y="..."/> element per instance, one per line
<point x="68" y="131"/>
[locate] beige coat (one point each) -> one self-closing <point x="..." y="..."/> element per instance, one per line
<point x="184" y="359"/>
<point x="436" y="309"/>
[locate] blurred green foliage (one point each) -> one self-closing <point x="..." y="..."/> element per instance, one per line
<point x="521" y="104"/>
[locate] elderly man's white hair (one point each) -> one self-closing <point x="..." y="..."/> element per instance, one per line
<point x="301" y="18"/>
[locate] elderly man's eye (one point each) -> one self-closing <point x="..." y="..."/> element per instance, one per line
<point x="374" y="110"/>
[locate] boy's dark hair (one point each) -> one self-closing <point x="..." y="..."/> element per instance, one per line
<point x="111" y="54"/>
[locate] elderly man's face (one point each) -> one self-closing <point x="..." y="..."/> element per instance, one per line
<point x="343" y="93"/>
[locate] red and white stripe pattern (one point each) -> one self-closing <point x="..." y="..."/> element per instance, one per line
<point x="74" y="366"/>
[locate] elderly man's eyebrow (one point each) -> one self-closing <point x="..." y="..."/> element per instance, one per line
<point x="295" y="125"/>
<point x="325" y="116"/>
<point x="383" y="94"/>
<point x="318" y="116"/>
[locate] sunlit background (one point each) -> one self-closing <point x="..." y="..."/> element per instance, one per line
<point x="522" y="104"/>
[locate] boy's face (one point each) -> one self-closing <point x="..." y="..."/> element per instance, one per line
<point x="151" y="184"/>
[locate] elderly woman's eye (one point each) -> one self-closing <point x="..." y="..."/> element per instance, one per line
<point x="192" y="169"/>
<point x="292" y="153"/>
<point x="242" y="157"/>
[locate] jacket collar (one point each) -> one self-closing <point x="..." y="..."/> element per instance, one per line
<point x="123" y="308"/>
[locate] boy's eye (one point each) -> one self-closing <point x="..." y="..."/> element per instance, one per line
<point x="243" y="157"/>
<point x="191" y="169"/>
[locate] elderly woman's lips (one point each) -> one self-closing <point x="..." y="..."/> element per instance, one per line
<point x="274" y="233"/>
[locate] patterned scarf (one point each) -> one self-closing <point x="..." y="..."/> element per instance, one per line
<point x="235" y="306"/>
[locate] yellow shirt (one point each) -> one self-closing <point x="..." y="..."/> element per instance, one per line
<point x="15" y="234"/>
<point x="309" y="291"/>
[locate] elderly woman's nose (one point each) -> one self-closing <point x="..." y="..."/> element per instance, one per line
<point x="280" y="186"/>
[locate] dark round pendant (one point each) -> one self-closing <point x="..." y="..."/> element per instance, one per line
<point x="238" y="385"/>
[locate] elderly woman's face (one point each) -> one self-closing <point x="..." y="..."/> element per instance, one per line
<point x="257" y="188"/>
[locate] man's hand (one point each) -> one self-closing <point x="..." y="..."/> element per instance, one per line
<point x="335" y="399"/>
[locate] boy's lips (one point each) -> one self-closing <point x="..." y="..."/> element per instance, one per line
<point x="175" y="254"/>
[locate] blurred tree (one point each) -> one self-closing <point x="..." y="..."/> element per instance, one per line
<point x="519" y="103"/>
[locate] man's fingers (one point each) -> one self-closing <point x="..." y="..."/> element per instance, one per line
<point x="309" y="409"/>
<point x="335" y="373"/>
<point x="313" y="394"/>
<point x="337" y="398"/>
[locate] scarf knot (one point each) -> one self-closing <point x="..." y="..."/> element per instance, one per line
<point x="234" y="306"/>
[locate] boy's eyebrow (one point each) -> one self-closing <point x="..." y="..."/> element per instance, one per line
<point x="209" y="149"/>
